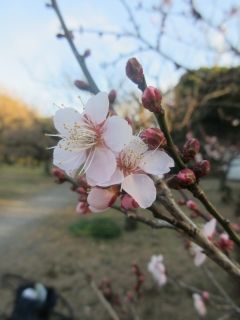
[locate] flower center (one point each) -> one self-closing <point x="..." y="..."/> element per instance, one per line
<point x="131" y="155"/>
<point x="85" y="135"/>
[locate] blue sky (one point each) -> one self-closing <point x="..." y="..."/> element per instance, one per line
<point x="40" y="69"/>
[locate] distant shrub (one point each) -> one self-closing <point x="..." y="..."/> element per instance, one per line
<point x="80" y="228"/>
<point x="98" y="228"/>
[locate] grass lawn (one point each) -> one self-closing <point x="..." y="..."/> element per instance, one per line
<point x="19" y="181"/>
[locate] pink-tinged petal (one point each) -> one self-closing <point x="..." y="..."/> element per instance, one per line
<point x="199" y="259"/>
<point x="64" y="120"/>
<point x="199" y="305"/>
<point x="101" y="199"/>
<point x="156" y="162"/>
<point x="141" y="188"/>
<point x="117" y="133"/>
<point x="82" y="208"/>
<point x="67" y="160"/>
<point x="209" y="228"/>
<point x="91" y="182"/>
<point x="116" y="178"/>
<point x="102" y="166"/>
<point x="97" y="107"/>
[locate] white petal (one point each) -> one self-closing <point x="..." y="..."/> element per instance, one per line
<point x="141" y="188"/>
<point x="67" y="160"/>
<point x="91" y="182"/>
<point x="97" y="107"/>
<point x="209" y="228"/>
<point x="102" y="165"/>
<point x="117" y="133"/>
<point x="199" y="256"/>
<point x="199" y="304"/>
<point x="100" y="199"/>
<point x="64" y="119"/>
<point x="156" y="162"/>
<point x="199" y="259"/>
<point x="116" y="178"/>
<point x="136" y="145"/>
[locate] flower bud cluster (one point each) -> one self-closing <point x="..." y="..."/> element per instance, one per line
<point x="59" y="175"/>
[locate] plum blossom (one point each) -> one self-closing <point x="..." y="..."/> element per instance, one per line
<point x="208" y="231"/>
<point x="100" y="199"/>
<point x="90" y="140"/>
<point x="199" y="305"/>
<point x="158" y="270"/>
<point x="134" y="163"/>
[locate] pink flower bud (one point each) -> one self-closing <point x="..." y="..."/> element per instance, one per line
<point x="82" y="85"/>
<point x="130" y="296"/>
<point x="59" y="174"/>
<point x="134" y="71"/>
<point x="154" y="138"/>
<point x="128" y="203"/>
<point x="112" y="96"/>
<point x="87" y="53"/>
<point x="82" y="207"/>
<point x="190" y="149"/>
<point x="206" y="295"/>
<point x="186" y="177"/>
<point x="191" y="205"/>
<point x="151" y="99"/>
<point x="224" y="243"/>
<point x="201" y="168"/>
<point x="100" y="199"/>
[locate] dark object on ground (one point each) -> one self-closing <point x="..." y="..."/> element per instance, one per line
<point x="34" y="301"/>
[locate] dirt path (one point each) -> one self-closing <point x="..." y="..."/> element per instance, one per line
<point x="23" y="215"/>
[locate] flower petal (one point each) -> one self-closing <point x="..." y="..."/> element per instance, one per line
<point x="117" y="133"/>
<point x="199" y="256"/>
<point x="64" y="119"/>
<point x="67" y="160"/>
<point x="97" y="107"/>
<point x="209" y="228"/>
<point x="100" y="199"/>
<point x="102" y="166"/>
<point x="156" y="162"/>
<point x="141" y="188"/>
<point x="199" y="304"/>
<point x="116" y="178"/>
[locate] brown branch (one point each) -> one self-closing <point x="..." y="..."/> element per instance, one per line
<point x="80" y="58"/>
<point x="111" y="312"/>
<point x="194" y="234"/>
<point x="198" y="193"/>
<point x="158" y="223"/>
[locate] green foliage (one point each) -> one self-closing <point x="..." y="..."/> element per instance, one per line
<point x="208" y="101"/>
<point x="97" y="228"/>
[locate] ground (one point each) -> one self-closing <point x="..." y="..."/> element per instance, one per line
<point x="35" y="242"/>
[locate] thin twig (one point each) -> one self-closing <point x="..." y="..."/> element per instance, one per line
<point x="221" y="289"/>
<point x="80" y="58"/>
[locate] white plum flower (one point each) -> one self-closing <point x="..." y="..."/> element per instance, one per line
<point x="158" y="270"/>
<point x="134" y="163"/>
<point x="199" y="305"/>
<point x="208" y="232"/>
<point x="90" y="140"/>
